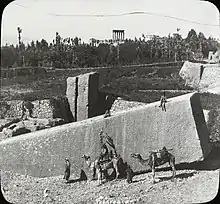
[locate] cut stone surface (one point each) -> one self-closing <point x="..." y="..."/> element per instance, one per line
<point x="201" y="76"/>
<point x="181" y="128"/>
<point x="87" y="95"/>
<point x="71" y="94"/>
<point x="210" y="76"/>
<point x="191" y="73"/>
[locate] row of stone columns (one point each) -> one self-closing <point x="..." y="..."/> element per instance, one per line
<point x="118" y="35"/>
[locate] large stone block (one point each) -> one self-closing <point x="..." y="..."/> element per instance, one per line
<point x="200" y="76"/>
<point x="210" y="76"/>
<point x="87" y="100"/>
<point x="191" y="73"/>
<point x="71" y="94"/>
<point x="182" y="128"/>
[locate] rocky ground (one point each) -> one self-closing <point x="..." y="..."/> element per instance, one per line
<point x="190" y="186"/>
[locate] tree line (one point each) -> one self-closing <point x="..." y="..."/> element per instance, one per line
<point x="71" y="52"/>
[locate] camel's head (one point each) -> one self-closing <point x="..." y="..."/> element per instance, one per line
<point x="86" y="157"/>
<point x="101" y="132"/>
<point x="67" y="160"/>
<point x="136" y="155"/>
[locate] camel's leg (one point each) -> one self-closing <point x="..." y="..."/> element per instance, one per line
<point x="172" y="165"/>
<point x="99" y="175"/>
<point x="153" y="168"/>
<point x="115" y="166"/>
<point x="153" y="173"/>
<point x="164" y="107"/>
<point x="117" y="173"/>
<point x="94" y="173"/>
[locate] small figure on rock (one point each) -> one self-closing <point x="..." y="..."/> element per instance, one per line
<point x="108" y="100"/>
<point x="26" y="108"/>
<point x="67" y="170"/>
<point x="163" y="101"/>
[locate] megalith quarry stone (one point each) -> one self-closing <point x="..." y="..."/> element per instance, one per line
<point x="182" y="128"/>
<point x="191" y="73"/>
<point x="84" y="98"/>
<point x="71" y="94"/>
<point x="87" y="99"/>
<point x="200" y="76"/>
<point x="210" y="77"/>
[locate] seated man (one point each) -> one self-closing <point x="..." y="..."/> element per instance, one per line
<point x="104" y="154"/>
<point x="162" y="153"/>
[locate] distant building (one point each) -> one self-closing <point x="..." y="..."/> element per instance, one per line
<point x="118" y="36"/>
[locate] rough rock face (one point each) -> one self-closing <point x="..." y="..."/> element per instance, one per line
<point x="43" y="109"/>
<point x="47" y="108"/>
<point x="11" y="109"/>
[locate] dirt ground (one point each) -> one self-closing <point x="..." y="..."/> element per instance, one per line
<point x="190" y="186"/>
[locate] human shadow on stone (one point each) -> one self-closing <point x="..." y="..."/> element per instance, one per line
<point x="201" y="71"/>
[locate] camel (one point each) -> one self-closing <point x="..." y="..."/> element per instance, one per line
<point x="157" y="159"/>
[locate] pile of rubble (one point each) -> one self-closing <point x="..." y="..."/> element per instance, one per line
<point x="44" y="114"/>
<point x="15" y="128"/>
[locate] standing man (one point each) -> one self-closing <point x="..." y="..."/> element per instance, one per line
<point x="163" y="101"/>
<point x="108" y="101"/>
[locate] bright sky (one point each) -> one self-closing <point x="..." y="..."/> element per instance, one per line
<point x="37" y="21"/>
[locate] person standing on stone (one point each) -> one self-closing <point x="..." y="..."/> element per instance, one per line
<point x="26" y="109"/>
<point x="163" y="101"/>
<point x="108" y="100"/>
